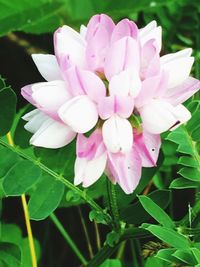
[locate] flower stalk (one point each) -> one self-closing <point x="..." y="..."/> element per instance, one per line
<point x="26" y="216"/>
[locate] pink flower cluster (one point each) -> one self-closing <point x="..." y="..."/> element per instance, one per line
<point x="111" y="80"/>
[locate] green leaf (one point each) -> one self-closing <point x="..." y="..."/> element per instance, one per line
<point x="156" y="212"/>
<point x="97" y="216"/>
<point x="8" y="159"/>
<point x="181" y="183"/>
<point x="20" y="178"/>
<point x="168" y="236"/>
<point x="185" y="255"/>
<point x="155" y="262"/>
<point x="8" y="108"/>
<point x="10" y="254"/>
<point x="188" y="161"/>
<point x="192" y="174"/>
<point x="160" y="197"/>
<point x="166" y="254"/>
<point x="187" y="144"/>
<point x="112" y="238"/>
<point x="23" y="14"/>
<point x="46" y="198"/>
<point x="111" y="263"/>
<point x="196" y="253"/>
<point x="12" y="234"/>
<point x="60" y="160"/>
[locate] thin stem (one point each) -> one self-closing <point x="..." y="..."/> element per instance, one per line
<point x="121" y="250"/>
<point x="60" y="178"/>
<point x="194" y="213"/>
<point x="147" y="189"/>
<point x="112" y="201"/>
<point x="67" y="237"/>
<point x="134" y="254"/>
<point x="26" y="216"/>
<point x="91" y="254"/>
<point x="98" y="239"/>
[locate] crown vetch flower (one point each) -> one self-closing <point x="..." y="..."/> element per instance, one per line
<point x="101" y="80"/>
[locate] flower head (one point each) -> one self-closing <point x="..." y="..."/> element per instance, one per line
<point x="103" y="80"/>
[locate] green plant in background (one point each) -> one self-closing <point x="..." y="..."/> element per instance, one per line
<point x="140" y="224"/>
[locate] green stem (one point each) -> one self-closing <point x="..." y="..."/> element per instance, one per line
<point x="67" y="237"/>
<point x="98" y="239"/>
<point x="121" y="250"/>
<point x="134" y="254"/>
<point x="60" y="178"/>
<point x="107" y="251"/>
<point x="112" y="201"/>
<point x="86" y="234"/>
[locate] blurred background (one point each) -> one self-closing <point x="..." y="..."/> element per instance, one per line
<point x="27" y="27"/>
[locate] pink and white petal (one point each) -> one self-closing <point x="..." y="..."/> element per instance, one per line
<point x="68" y="42"/>
<point x="90" y="147"/>
<point x="52" y="134"/>
<point x="151" y="31"/>
<point x="148" y="146"/>
<point x="126" y="169"/>
<point x="124" y="28"/>
<point x="92" y="84"/>
<point x="50" y="95"/>
<point x="83" y="82"/>
<point x="48" y="66"/>
<point x="106" y="107"/>
<point x="158" y="116"/>
<point x="95" y="22"/>
<point x="26" y="92"/>
<point x="94" y="170"/>
<point x="181" y="93"/>
<point x="99" y="31"/>
<point x="128" y="58"/>
<point x="150" y="65"/>
<point x="35" y="119"/>
<point x="97" y="48"/>
<point x="124" y="106"/>
<point x="148" y="91"/>
<point x="117" y="134"/>
<point x="80" y="113"/>
<point x="178" y="70"/>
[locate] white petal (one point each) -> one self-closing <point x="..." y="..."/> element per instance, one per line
<point x="178" y="70"/>
<point x="83" y="31"/>
<point x="47" y="66"/>
<point x="35" y="120"/>
<point x="117" y="134"/>
<point x="70" y="43"/>
<point x="94" y="170"/>
<point x="147" y="29"/>
<point x="172" y="56"/>
<point x="79" y="169"/>
<point x="28" y="116"/>
<point x="52" y="134"/>
<point x="151" y="32"/>
<point x="158" y="116"/>
<point x="182" y="114"/>
<point x="50" y="95"/>
<point x="125" y="83"/>
<point x="80" y="113"/>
